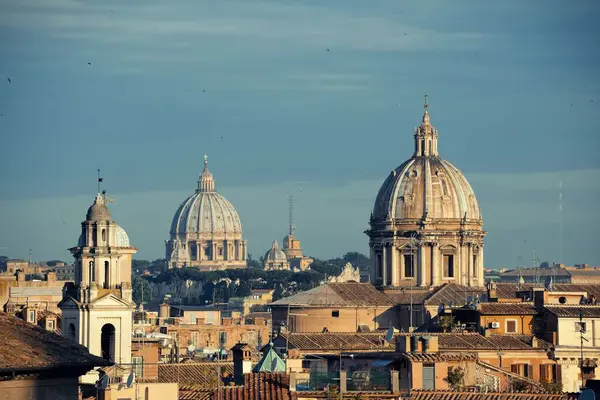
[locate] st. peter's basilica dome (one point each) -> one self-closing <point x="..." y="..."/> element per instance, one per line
<point x="206" y="231"/>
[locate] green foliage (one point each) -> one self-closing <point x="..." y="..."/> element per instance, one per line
<point x="140" y="264"/>
<point x="252" y="263"/>
<point x="553" y="387"/>
<point x="446" y="322"/>
<point x="141" y="289"/>
<point x="455" y="377"/>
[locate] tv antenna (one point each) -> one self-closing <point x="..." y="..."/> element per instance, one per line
<point x="560" y="222"/>
<point x="291" y="214"/>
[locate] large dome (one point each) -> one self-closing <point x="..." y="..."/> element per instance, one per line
<point x="206" y="212"/>
<point x="206" y="231"/>
<point x="426" y="228"/>
<point x="426" y="187"/>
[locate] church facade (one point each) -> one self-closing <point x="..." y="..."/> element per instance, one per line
<point x="206" y="231"/>
<point x="426" y="228"/>
<point x="97" y="308"/>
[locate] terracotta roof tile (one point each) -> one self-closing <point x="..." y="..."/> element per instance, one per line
<point x="510" y="290"/>
<point x="38" y="348"/>
<point x="198" y="375"/>
<point x="440" y="357"/>
<point x="347" y="294"/>
<point x="336" y="341"/>
<point x="264" y="386"/>
<point x="507" y="308"/>
<point x="475" y="341"/>
<point x="451" y="293"/>
<point x="452" y="395"/>
<point x="573" y="311"/>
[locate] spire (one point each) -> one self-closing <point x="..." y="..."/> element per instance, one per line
<point x="425" y="113"/>
<point x="275" y="245"/>
<point x="426" y="135"/>
<point x="206" y="183"/>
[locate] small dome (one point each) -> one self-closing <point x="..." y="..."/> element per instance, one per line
<point x="275" y="253"/>
<point x="121" y="237"/>
<point x="98" y="211"/>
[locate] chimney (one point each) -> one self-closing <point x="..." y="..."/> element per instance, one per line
<point x="242" y="362"/>
<point x="20" y="276"/>
<point x="492" y="294"/>
<point x="534" y="342"/>
<point x="539" y="298"/>
<point x="414" y="344"/>
<point x="163" y="311"/>
<point x="50" y="276"/>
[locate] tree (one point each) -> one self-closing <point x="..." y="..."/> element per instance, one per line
<point x="278" y="292"/>
<point x="455" y="377"/>
<point x="141" y="290"/>
<point x="446" y="322"/>
<point x="252" y="263"/>
<point x="243" y="289"/>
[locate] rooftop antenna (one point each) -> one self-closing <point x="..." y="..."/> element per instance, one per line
<point x="560" y="222"/>
<point x="29" y="256"/>
<point x="291" y="214"/>
<point x="534" y="265"/>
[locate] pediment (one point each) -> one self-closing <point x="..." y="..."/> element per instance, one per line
<point x="69" y="302"/>
<point x="110" y="300"/>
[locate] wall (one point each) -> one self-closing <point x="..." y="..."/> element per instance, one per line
<point x="149" y="351"/>
<point x="146" y="391"/>
<point x="316" y="319"/>
<point x="524" y="323"/>
<point x="568" y="335"/>
<point x="39" y="389"/>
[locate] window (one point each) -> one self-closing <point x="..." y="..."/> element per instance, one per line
<point x="511" y="326"/>
<point x="138" y="366"/>
<point x="475" y="265"/>
<point x="448" y="265"/>
<point x="31" y="316"/>
<point x="524" y="370"/>
<point x="335" y="313"/>
<point x="562" y="299"/>
<point x="207" y="251"/>
<point x="222" y="338"/>
<point x="50" y="325"/>
<point x="409" y="266"/>
<point x="220" y="251"/>
<point x="580" y="327"/>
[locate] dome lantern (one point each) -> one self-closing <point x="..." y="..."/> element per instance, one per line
<point x="426" y="136"/>
<point x="206" y="183"/>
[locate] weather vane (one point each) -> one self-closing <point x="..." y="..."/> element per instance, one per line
<point x="426" y="104"/>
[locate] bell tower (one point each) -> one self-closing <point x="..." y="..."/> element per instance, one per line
<point x="97" y="308"/>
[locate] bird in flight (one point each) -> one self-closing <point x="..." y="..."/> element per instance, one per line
<point x="327" y="49"/>
<point x="89" y="63"/>
<point x="8" y="79"/>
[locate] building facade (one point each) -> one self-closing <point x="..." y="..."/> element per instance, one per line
<point x="97" y="308"/>
<point x="426" y="228"/>
<point x="206" y="231"/>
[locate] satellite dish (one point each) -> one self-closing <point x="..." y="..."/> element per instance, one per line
<point x="102" y="383"/>
<point x="191" y="348"/>
<point x="130" y="379"/>
<point x="587" y="394"/>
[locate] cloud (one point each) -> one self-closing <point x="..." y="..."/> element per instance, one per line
<point x="272" y="23"/>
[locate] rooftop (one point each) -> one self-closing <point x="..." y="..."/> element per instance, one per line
<point x="525" y="308"/>
<point x="541" y="272"/>
<point x="200" y="375"/>
<point x="511" y="290"/>
<point x="337" y="341"/>
<point x="39" y="349"/>
<point x="452" y="395"/>
<point x="573" y="311"/>
<point x="264" y="386"/>
<point x="475" y="341"/>
<point x="347" y="294"/>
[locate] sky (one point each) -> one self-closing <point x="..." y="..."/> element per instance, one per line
<point x="310" y="98"/>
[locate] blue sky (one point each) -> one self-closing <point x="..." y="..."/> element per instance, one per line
<point x="513" y="89"/>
